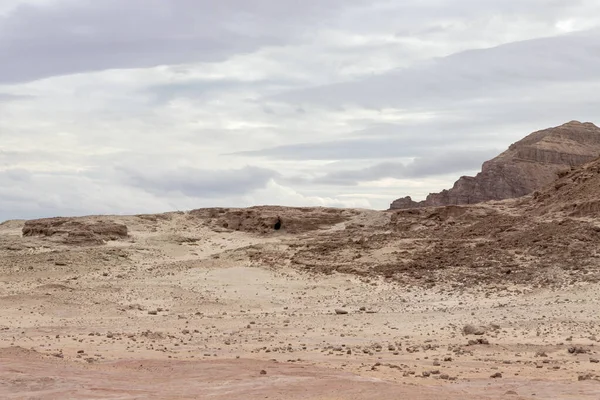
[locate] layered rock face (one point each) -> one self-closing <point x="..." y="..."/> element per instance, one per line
<point x="526" y="166"/>
<point x="82" y="231"/>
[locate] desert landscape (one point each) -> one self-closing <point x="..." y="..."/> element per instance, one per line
<point x="492" y="300"/>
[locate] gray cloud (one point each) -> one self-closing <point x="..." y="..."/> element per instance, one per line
<point x="85" y="36"/>
<point x="197" y="89"/>
<point x="434" y="164"/>
<point x="199" y="182"/>
<point x="364" y="148"/>
<point x="383" y="141"/>
<point x="6" y="97"/>
<point x="66" y="37"/>
<point x="475" y="74"/>
<point x="485" y="98"/>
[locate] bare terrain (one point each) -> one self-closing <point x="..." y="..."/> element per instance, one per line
<point x="497" y="300"/>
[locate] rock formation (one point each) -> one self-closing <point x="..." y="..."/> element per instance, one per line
<point x="267" y="219"/>
<point x="526" y="166"/>
<point x="576" y="194"/>
<point x="75" y="230"/>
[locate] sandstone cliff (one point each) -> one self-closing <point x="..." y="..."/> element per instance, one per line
<point x="526" y="166"/>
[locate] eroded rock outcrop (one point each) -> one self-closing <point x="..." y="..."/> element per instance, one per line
<point x="269" y="219"/>
<point x="526" y="166"/>
<point x="75" y="230"/>
<point x="576" y="194"/>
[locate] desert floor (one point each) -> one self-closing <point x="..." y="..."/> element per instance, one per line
<point x="182" y="310"/>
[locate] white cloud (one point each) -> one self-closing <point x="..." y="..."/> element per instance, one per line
<point x="276" y="194"/>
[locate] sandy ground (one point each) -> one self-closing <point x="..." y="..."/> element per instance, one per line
<point x="160" y="315"/>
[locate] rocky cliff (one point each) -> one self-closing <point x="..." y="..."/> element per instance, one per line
<point x="526" y="166"/>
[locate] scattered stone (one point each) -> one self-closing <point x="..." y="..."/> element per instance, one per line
<point x="340" y="311"/>
<point x="496" y="375"/>
<point x="474" y="330"/>
<point x="263" y="372"/>
<point x="577" y="350"/>
<point x="478" y="341"/>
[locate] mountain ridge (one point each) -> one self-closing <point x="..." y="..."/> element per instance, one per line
<point x="526" y="166"/>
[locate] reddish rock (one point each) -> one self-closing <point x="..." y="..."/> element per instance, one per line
<point x="527" y="165"/>
<point x="76" y="230"/>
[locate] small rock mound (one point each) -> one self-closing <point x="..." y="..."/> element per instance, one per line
<point x="270" y="219"/>
<point x="474" y="330"/>
<point x="74" y="231"/>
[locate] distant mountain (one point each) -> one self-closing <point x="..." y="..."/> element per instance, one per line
<point x="527" y="165"/>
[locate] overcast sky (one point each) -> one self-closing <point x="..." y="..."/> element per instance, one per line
<point x="114" y="106"/>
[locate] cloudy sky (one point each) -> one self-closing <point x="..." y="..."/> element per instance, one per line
<point x="114" y="106"/>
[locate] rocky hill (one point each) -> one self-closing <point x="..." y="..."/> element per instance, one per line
<point x="526" y="166"/>
<point x="548" y="238"/>
<point x="575" y="194"/>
